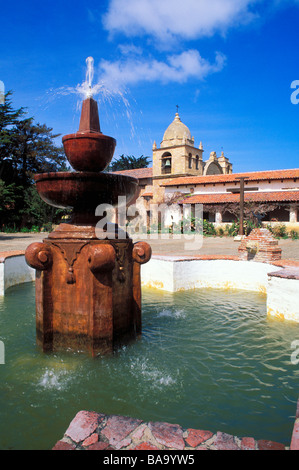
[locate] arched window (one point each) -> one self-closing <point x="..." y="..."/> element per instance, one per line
<point x="166" y="163"/>
<point x="190" y="161"/>
<point x="213" y="169"/>
<point x="197" y="162"/>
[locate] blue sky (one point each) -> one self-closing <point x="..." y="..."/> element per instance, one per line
<point x="228" y="64"/>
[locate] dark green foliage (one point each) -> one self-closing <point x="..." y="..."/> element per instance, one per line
<point x="294" y="235"/>
<point x="208" y="228"/>
<point x="128" y="162"/>
<point x="26" y="148"/>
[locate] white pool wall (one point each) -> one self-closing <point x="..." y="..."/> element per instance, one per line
<point x="173" y="274"/>
<point x="14" y="270"/>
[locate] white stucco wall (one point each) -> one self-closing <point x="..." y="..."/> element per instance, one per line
<point x="2" y="290"/>
<point x="283" y="298"/>
<point x="14" y="270"/>
<point x="265" y="186"/>
<point x="173" y="276"/>
<point x="158" y="274"/>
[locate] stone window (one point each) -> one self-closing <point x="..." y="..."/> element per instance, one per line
<point x="166" y="163"/>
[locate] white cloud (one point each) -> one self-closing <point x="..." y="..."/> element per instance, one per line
<point x="169" y="23"/>
<point x="131" y="49"/>
<point x="166" y="20"/>
<point x="177" y="68"/>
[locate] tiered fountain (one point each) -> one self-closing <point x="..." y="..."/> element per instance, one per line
<point x="88" y="291"/>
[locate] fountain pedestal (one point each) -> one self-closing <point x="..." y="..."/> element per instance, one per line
<point x="88" y="289"/>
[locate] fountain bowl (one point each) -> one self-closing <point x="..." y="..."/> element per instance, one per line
<point x="84" y="190"/>
<point x="89" y="151"/>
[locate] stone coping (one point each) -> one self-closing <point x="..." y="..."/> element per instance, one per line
<point x="10" y="254"/>
<point x="287" y="273"/>
<point x="195" y="257"/>
<point x="290" y="268"/>
<point x="281" y="263"/>
<point x="97" y="431"/>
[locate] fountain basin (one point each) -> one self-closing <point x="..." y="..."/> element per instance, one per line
<point x="89" y="151"/>
<point x="84" y="190"/>
<point x="211" y="360"/>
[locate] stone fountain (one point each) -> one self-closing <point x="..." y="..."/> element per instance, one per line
<point x="88" y="290"/>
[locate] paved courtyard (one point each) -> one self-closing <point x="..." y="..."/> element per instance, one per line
<point x="210" y="246"/>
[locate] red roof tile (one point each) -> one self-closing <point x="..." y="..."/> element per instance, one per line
<point x="137" y="173"/>
<point x="252" y="176"/>
<point x="259" y="196"/>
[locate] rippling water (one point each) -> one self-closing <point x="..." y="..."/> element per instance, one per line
<point x="208" y="359"/>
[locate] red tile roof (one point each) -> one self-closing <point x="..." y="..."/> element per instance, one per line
<point x="259" y="196"/>
<point x="270" y="175"/>
<point x="137" y="173"/>
<point x="252" y="176"/>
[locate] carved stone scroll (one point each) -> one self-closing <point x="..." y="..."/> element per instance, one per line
<point x="142" y="252"/>
<point x="38" y="256"/>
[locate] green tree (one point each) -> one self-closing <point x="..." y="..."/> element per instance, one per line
<point x="34" y="150"/>
<point x="10" y="196"/>
<point x="8" y="119"/>
<point x="128" y="162"/>
<point x="36" y="212"/>
<point x="26" y="148"/>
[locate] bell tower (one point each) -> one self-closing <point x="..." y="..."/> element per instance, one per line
<point x="177" y="155"/>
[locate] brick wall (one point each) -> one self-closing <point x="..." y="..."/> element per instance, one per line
<point x="259" y="246"/>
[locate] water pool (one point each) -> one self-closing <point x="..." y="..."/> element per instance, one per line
<point x="208" y="359"/>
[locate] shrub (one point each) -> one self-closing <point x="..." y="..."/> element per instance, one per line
<point x="232" y="230"/>
<point x="208" y="228"/>
<point x="279" y="231"/>
<point x="294" y="235"/>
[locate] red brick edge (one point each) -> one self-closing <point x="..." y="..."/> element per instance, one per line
<point x="96" y="431"/>
<point x="295" y="436"/>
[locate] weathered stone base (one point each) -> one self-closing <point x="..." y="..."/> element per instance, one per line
<point x="88" y="291"/>
<point x="96" y="431"/>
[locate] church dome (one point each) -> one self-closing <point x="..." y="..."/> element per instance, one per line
<point x="176" y="133"/>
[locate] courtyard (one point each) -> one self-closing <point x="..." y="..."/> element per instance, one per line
<point x="168" y="341"/>
<point x="211" y="245"/>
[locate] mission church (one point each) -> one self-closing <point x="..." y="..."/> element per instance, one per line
<point x="180" y="174"/>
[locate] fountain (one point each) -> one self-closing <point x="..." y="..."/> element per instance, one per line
<point x="88" y="291"/>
